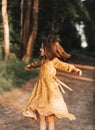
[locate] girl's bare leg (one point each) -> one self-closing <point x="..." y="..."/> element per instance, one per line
<point x="42" y="122"/>
<point x="50" y="122"/>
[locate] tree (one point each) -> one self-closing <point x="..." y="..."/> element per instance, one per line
<point x="29" y="51"/>
<point x="25" y="30"/>
<point x="54" y="15"/>
<point x="6" y="30"/>
<point x="21" y="21"/>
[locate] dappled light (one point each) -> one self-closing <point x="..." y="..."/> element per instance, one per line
<point x="24" y="24"/>
<point x="81" y="32"/>
<point x="77" y="77"/>
<point x="13" y="103"/>
<point x="83" y="0"/>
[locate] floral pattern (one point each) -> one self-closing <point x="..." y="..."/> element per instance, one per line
<point x="46" y="97"/>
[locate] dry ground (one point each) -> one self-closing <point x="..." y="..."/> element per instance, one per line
<point x="81" y="101"/>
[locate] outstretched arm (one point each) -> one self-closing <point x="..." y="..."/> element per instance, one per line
<point x="66" y="67"/>
<point x="33" y="65"/>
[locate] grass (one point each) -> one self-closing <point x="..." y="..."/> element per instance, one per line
<point x="13" y="75"/>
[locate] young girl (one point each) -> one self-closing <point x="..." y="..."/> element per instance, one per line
<point x="46" y="100"/>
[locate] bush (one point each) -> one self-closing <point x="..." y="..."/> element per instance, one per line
<point x="12" y="74"/>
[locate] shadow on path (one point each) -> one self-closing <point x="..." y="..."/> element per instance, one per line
<point x="81" y="102"/>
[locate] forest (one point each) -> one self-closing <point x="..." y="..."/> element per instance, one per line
<point x="23" y="25"/>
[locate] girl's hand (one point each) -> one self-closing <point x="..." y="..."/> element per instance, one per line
<point x="78" y="71"/>
<point x="28" y="67"/>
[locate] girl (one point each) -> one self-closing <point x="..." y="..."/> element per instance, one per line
<point x="46" y="100"/>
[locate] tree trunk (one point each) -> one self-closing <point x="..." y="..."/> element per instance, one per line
<point x="25" y="32"/>
<point x="29" y="52"/>
<point x="6" y="29"/>
<point x="21" y="21"/>
<point x="52" y="26"/>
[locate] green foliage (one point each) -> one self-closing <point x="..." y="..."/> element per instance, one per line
<point x="63" y="14"/>
<point x="12" y="74"/>
<point x="54" y="14"/>
<point x="14" y="20"/>
<point x="77" y="10"/>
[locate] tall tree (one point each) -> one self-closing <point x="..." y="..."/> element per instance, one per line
<point x="33" y="34"/>
<point x="6" y="30"/>
<point x="21" y="20"/>
<point x="25" y="30"/>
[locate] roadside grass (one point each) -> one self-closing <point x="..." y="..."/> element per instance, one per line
<point x="13" y="75"/>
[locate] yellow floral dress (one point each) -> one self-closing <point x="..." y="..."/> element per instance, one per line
<point x="46" y="98"/>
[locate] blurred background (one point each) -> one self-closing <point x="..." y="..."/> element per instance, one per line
<point x="23" y="26"/>
<point x="25" y="23"/>
<point x="72" y="20"/>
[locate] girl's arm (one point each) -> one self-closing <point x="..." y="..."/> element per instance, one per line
<point x="66" y="67"/>
<point x="33" y="65"/>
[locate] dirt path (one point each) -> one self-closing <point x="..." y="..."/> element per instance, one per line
<point x="81" y="102"/>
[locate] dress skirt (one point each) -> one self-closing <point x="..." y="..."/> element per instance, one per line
<point x="46" y="98"/>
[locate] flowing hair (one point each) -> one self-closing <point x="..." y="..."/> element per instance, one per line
<point x="53" y="49"/>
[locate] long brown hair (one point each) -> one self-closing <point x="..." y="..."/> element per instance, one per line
<point x="53" y="49"/>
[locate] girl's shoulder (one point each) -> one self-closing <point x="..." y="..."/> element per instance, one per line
<point x="56" y="60"/>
